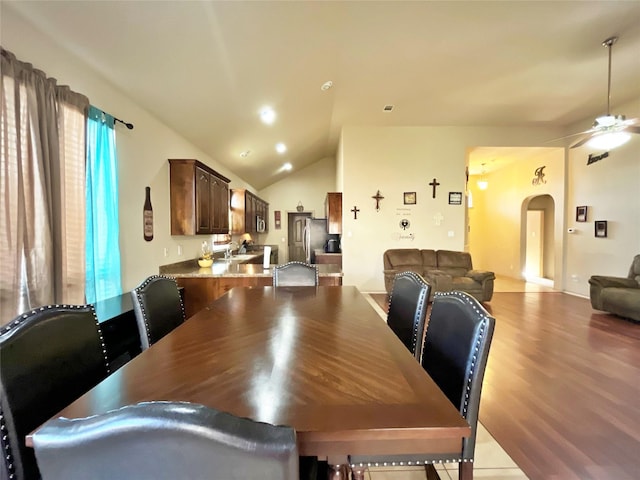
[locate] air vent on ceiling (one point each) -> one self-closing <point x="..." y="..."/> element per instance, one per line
<point x="387" y="108"/>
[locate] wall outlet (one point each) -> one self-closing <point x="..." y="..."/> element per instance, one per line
<point x="575" y="278"/>
<point x="450" y="233"/>
<point x="166" y="252"/>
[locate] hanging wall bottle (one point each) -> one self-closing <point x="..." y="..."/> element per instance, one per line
<point x="148" y="216"/>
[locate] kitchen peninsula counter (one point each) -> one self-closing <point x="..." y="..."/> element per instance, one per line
<point x="204" y="285"/>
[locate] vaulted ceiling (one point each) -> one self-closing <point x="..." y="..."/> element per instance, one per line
<point x="206" y="68"/>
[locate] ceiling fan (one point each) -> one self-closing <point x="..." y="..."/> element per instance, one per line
<point x="608" y="131"/>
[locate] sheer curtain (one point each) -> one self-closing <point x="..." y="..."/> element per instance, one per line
<point x="42" y="190"/>
<point x="102" y="227"/>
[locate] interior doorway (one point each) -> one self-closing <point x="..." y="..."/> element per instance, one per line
<point x="535" y="245"/>
<point x="539" y="239"/>
<point x="295" y="233"/>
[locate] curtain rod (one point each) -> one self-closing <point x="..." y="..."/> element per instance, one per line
<point x="128" y="125"/>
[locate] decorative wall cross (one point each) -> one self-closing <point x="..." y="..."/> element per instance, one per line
<point x="434" y="184"/>
<point x="355" y="211"/>
<point x="377" y="197"/>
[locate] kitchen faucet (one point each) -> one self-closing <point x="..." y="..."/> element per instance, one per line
<point x="230" y="246"/>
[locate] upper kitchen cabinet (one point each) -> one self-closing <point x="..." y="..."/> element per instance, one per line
<point x="199" y="198"/>
<point x="333" y="212"/>
<point x="249" y="213"/>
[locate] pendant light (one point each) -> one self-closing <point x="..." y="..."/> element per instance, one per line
<point x="482" y="183"/>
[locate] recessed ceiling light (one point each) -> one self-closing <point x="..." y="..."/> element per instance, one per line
<point x="326" y="85"/>
<point x="287" y="166"/>
<point x="281" y="147"/>
<point x="267" y="115"/>
<point x="245" y="154"/>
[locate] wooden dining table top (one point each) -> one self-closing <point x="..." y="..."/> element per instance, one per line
<point x="319" y="359"/>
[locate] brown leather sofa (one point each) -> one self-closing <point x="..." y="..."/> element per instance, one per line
<point x="444" y="270"/>
<point x="618" y="295"/>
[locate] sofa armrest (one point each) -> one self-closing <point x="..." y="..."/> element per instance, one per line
<point x="480" y="276"/>
<point x="389" y="275"/>
<point x="618" y="282"/>
<point x="440" y="281"/>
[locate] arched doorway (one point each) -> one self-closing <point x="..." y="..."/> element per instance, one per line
<point x="538" y="239"/>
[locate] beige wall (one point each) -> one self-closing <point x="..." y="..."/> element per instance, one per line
<point x="610" y="190"/>
<point x="497" y="221"/>
<point x="308" y="186"/>
<point x="406" y="159"/>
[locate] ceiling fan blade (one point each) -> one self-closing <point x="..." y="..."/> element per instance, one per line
<point x="586" y="132"/>
<point x="581" y="142"/>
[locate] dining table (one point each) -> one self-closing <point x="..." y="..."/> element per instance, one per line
<point x="319" y="359"/>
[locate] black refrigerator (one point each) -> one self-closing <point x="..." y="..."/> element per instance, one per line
<point x="315" y="237"/>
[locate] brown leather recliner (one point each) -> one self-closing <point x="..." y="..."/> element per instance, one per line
<point x="444" y="270"/>
<point x="618" y="295"/>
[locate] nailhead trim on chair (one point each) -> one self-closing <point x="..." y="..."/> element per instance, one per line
<point x="400" y="464"/>
<point x="141" y="287"/>
<point x="18" y="321"/>
<point x="422" y="302"/>
<point x="6" y="446"/>
<point x="476" y="348"/>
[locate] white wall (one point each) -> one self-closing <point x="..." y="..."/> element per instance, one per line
<point x="308" y="186"/>
<point x="143" y="152"/>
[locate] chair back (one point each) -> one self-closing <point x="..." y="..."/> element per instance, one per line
<point x="158" y="308"/>
<point x="295" y="274"/>
<point x="408" y="309"/>
<point x="165" y="440"/>
<point x="455" y="353"/>
<point x="48" y="358"/>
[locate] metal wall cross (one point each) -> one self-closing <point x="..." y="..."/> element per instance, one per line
<point x="377" y="197"/>
<point x="355" y="211"/>
<point x="434" y="184"/>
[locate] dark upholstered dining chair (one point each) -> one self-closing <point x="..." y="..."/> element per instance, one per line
<point x="408" y="309"/>
<point x="158" y="307"/>
<point x="165" y="440"/>
<point x="48" y="358"/>
<point x="295" y="274"/>
<point x="455" y="353"/>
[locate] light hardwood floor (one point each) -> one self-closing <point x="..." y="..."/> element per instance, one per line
<point x="562" y="386"/>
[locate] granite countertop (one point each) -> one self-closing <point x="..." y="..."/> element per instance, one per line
<point x="233" y="268"/>
<point x="260" y="248"/>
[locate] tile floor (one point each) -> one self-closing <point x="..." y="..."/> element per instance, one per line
<point x="491" y="461"/>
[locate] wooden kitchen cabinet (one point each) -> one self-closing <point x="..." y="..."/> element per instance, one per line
<point x="199" y="198"/>
<point x="246" y="207"/>
<point x="333" y="212"/>
<point x="329" y="258"/>
<point x="199" y="292"/>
